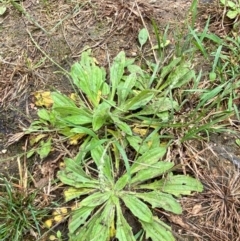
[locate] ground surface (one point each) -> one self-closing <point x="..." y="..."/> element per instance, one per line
<point x="33" y="59"/>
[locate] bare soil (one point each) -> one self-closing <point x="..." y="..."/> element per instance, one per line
<point x="34" y="58"/>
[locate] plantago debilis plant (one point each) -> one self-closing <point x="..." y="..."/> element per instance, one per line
<point x="104" y="194"/>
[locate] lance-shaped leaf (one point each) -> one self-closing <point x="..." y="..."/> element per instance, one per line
<point x="61" y="100"/>
<point x="100" y="115"/>
<point x="72" y="193"/>
<point x="177" y="77"/>
<point x="73" y="175"/>
<point x="125" y="88"/>
<point x="161" y="200"/>
<point x="124" y="231"/>
<point x="143" y="36"/>
<point x="158" y="106"/>
<point x="176" y="185"/>
<point x="122" y="125"/>
<point x="98" y="227"/>
<point x="157" y="230"/>
<point x="83" y="130"/>
<point x="152" y="171"/>
<point x="43" y="114"/>
<point x="116" y="72"/>
<point x="73" y="179"/>
<point x="89" y="77"/>
<point x="137" y="207"/>
<point x="70" y="110"/>
<point x="84" y="232"/>
<point x="81" y="118"/>
<point x="149" y="158"/>
<point x="122" y="182"/>
<point x="138" y="101"/>
<point x="78" y="218"/>
<point x="102" y="159"/>
<point x="95" y="199"/>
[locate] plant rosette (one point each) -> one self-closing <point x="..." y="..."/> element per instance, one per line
<point x="233" y="11"/>
<point x="129" y="103"/>
<point x="104" y="191"/>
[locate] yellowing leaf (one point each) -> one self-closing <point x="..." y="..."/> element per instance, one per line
<point x="62" y="165"/>
<point x="74" y="139"/>
<point x="58" y="218"/>
<point x="36" y="139"/>
<point x="43" y="98"/>
<point x="52" y="237"/>
<point x="95" y="60"/>
<point x="59" y="214"/>
<point x="75" y="206"/>
<point x="74" y="97"/>
<point x="99" y="96"/>
<point x="48" y="223"/>
<point x="139" y="130"/>
<point x="63" y="210"/>
<point x="112" y="230"/>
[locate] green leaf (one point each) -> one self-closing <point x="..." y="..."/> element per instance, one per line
<point x="143" y="146"/>
<point x="158" y="106"/>
<point x="102" y="160"/>
<point x="122" y="125"/>
<point x="78" y="119"/>
<point x="122" y="182"/>
<point x="72" y="193"/>
<point x="102" y="226"/>
<point x="83" y="130"/>
<point x="238" y="142"/>
<point x="232" y="14"/>
<point x="43" y="114"/>
<point x="45" y="148"/>
<point x="3" y="9"/>
<point x="210" y="94"/>
<point x="100" y="115"/>
<point x="143" y="36"/>
<point x="232" y="5"/>
<point x="87" y="231"/>
<point x="137" y="207"/>
<point x="89" y="78"/>
<point x="95" y="199"/>
<point x="124" y="231"/>
<point x="161" y="200"/>
<point x="177" y="77"/>
<point x="74" y="176"/>
<point x="99" y="226"/>
<point x="167" y="70"/>
<point x="212" y="76"/>
<point x="138" y="101"/>
<point x="148" y="159"/>
<point x="157" y="230"/>
<point x="152" y="171"/>
<point x="70" y="110"/>
<point x="136" y="143"/>
<point x="116" y="72"/>
<point x="78" y="218"/>
<point x="61" y="100"/>
<point x="176" y="185"/>
<point x="125" y="88"/>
